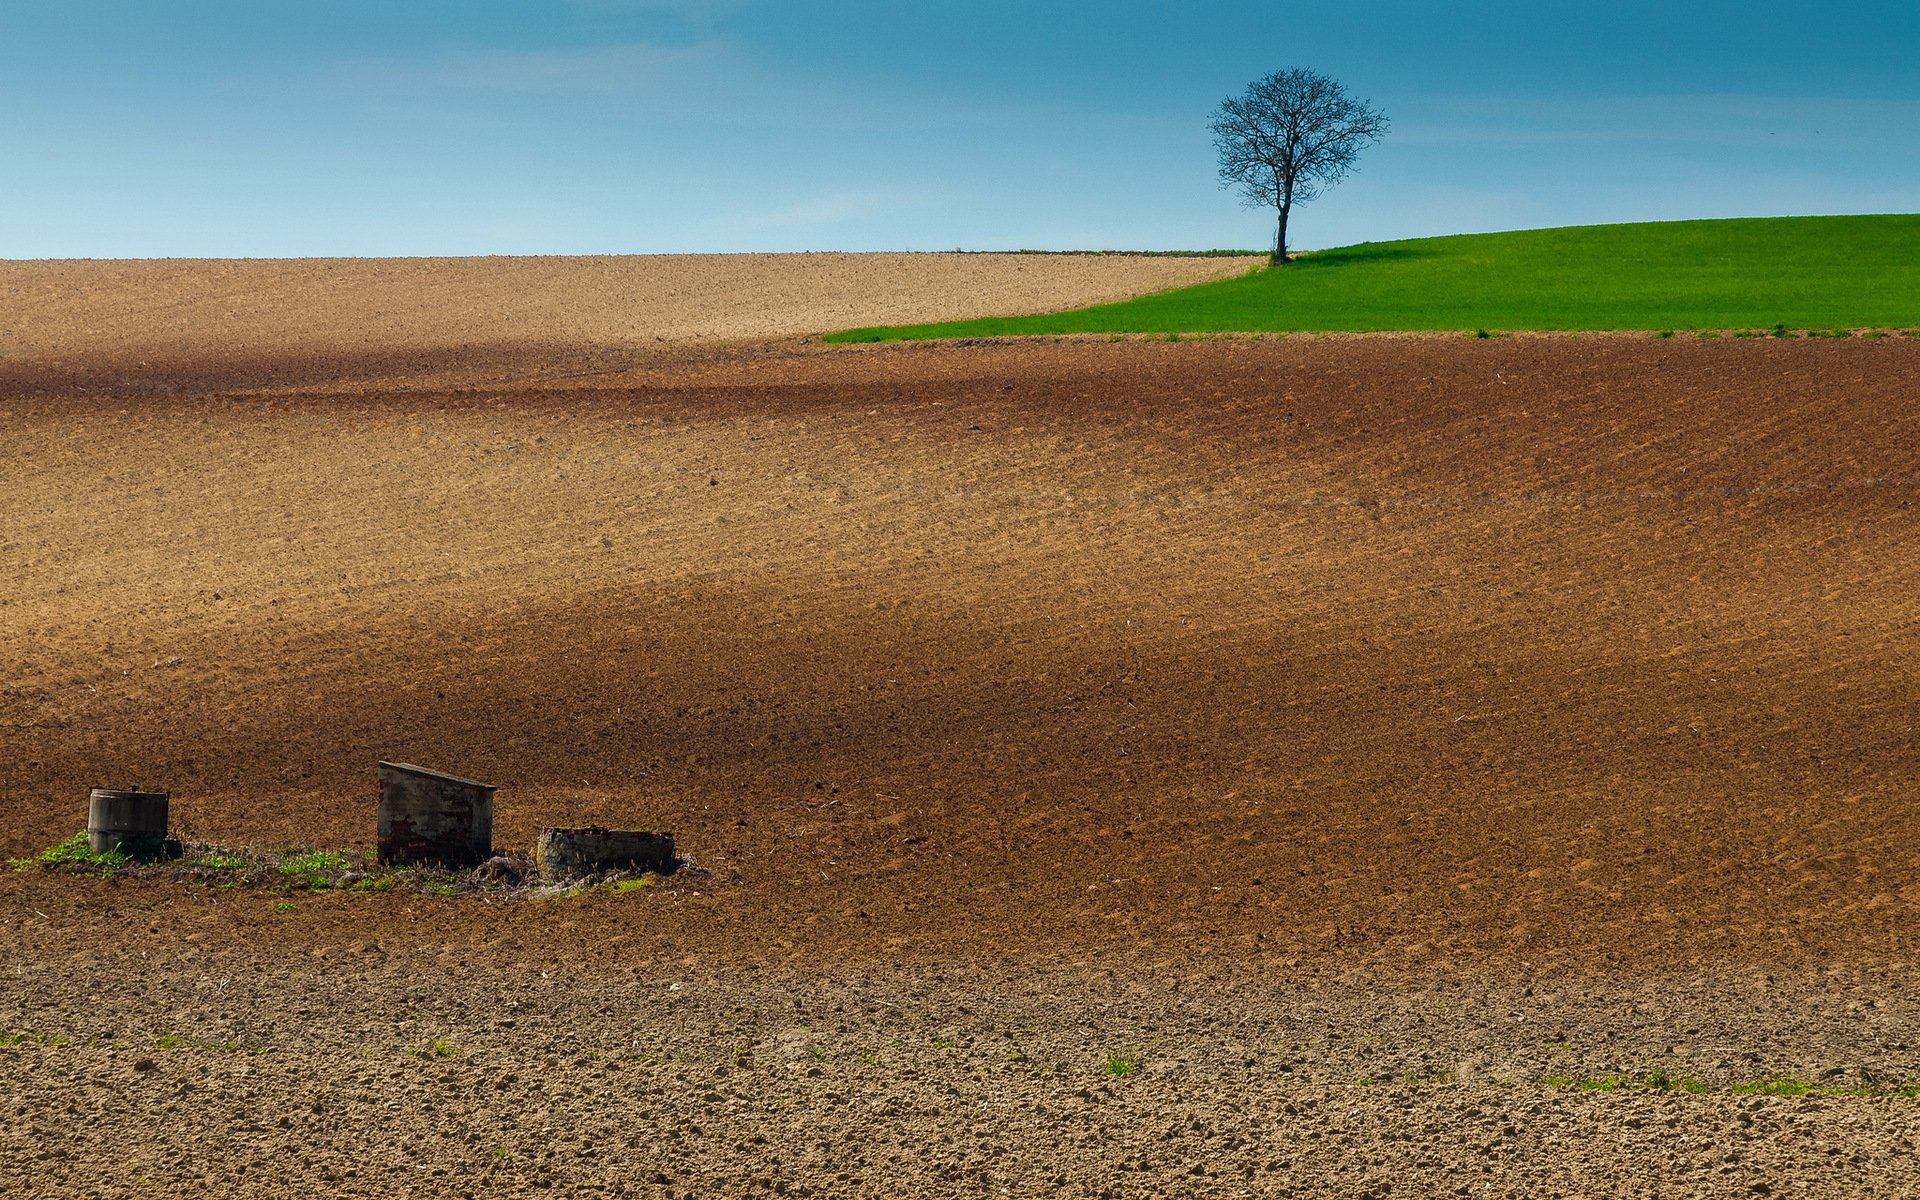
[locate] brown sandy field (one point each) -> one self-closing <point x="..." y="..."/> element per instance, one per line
<point x="1362" y="735"/>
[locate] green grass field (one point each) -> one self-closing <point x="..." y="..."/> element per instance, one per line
<point x="1825" y="273"/>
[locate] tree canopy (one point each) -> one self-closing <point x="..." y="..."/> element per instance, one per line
<point x="1288" y="138"/>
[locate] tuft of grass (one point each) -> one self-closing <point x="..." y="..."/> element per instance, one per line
<point x="442" y="1048"/>
<point x="1122" y="1064"/>
<point x="12" y="1037"/>
<point x="1757" y="274"/>
<point x="216" y="861"/>
<point x="632" y="885"/>
<point x="1789" y="1085"/>
<point x="76" y="853"/>
<point x="315" y="870"/>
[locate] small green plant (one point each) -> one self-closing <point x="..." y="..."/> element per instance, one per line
<point x="1788" y="1085"/>
<point x="168" y="1041"/>
<point x="1482" y="333"/>
<point x="313" y="869"/>
<point x="442" y="1048"/>
<point x="11" y="1037"/>
<point x="378" y="883"/>
<point x="216" y="861"/>
<point x="632" y="885"/>
<point x="941" y="1043"/>
<point x="1781" y="331"/>
<point x="285" y="906"/>
<point x="77" y="853"/>
<point x="1660" y="1081"/>
<point x="1122" y="1064"/>
<point x="1666" y="333"/>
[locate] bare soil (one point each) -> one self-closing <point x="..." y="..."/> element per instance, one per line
<point x="132" y="325"/>
<point x="1355" y="733"/>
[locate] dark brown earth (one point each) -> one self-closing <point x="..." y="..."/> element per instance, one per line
<point x="1442" y="713"/>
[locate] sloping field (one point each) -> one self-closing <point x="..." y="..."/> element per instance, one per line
<point x="1598" y="645"/>
<point x="126" y="325"/>
<point x="1819" y="273"/>
<point x="1216" y="768"/>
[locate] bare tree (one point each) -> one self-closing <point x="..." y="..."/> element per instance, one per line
<point x="1290" y="137"/>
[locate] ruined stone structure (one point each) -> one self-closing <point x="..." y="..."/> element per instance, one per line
<point x="559" y="853"/>
<point x="432" y="817"/>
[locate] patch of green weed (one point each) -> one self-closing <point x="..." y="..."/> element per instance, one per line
<point x="1122" y="1064"/>
<point x="76" y="853"/>
<point x="313" y="869"/>
<point x="217" y="861"/>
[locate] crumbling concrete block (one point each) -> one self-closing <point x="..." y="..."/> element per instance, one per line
<point x="559" y="853"/>
<point x="432" y="817"/>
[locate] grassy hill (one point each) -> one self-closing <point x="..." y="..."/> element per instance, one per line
<point x="1756" y="273"/>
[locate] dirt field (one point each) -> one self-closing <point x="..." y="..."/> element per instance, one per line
<point x="1359" y="735"/>
<point x="129" y="326"/>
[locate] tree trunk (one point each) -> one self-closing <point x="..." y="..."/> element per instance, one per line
<point x="1280" y="237"/>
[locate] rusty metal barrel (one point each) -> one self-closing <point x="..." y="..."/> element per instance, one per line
<point x="134" y="823"/>
<point x="432" y="817"/>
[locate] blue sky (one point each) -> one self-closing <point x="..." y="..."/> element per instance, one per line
<point x="261" y="128"/>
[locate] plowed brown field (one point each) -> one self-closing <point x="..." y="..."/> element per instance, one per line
<point x="1280" y="712"/>
<point x="171" y="323"/>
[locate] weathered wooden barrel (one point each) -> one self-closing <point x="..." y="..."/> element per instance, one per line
<point x="134" y="823"/>
<point x="432" y="817"/>
<point x="559" y="853"/>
